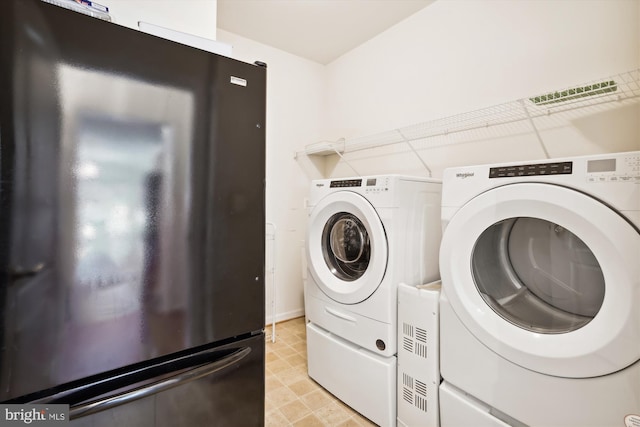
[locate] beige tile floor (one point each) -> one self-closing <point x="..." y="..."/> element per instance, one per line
<point x="292" y="398"/>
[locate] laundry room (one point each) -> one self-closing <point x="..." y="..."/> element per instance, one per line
<point x="450" y="65"/>
<point x="454" y="84"/>
<point x="451" y="85"/>
<point x="448" y="190"/>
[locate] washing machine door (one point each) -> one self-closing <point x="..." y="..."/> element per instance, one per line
<point x="346" y="247"/>
<point x="547" y="277"/>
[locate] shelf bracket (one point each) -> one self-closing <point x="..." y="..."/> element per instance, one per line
<point x="346" y="161"/>
<point x="535" y="129"/>
<point x="405" y="139"/>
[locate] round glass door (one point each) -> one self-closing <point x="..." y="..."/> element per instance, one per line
<point x="346" y="247"/>
<point x="537" y="275"/>
<point x="546" y="277"/>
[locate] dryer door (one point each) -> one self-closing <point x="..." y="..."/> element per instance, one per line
<point x="547" y="277"/>
<point x="346" y="247"/>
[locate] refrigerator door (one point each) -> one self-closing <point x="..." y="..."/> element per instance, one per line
<point x="131" y="197"/>
<point x="235" y="202"/>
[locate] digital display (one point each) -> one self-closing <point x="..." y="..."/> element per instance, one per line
<point x="560" y="168"/>
<point x="601" y="165"/>
<point x="346" y="183"/>
<point x="371" y="181"/>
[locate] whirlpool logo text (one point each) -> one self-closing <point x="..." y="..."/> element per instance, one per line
<point x="464" y="175"/>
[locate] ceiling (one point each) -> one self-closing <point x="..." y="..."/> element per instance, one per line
<point x="319" y="30"/>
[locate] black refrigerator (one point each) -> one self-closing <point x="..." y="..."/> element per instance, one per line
<point x="132" y="224"/>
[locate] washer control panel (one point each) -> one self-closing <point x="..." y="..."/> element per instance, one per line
<point x="375" y="185"/>
<point x="371" y="185"/>
<point x="346" y="183"/>
<point x="614" y="169"/>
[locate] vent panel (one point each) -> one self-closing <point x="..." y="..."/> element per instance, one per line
<point x="421" y="350"/>
<point x="407" y="344"/>
<point x="418" y="356"/>
<point x="407" y="380"/>
<point x="421" y="403"/>
<point x="407" y="329"/>
<point x="407" y="395"/>
<point x="421" y="388"/>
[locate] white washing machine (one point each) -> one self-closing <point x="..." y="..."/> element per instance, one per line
<point x="540" y="303"/>
<point x="365" y="236"/>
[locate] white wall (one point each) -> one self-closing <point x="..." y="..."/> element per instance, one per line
<point x="197" y="17"/>
<point x="458" y="56"/>
<point x="295" y="116"/>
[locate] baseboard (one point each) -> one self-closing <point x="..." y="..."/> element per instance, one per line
<point x="281" y="317"/>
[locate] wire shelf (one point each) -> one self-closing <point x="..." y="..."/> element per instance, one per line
<point x="624" y="87"/>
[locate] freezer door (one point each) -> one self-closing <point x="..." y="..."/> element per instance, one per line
<point x="226" y="390"/>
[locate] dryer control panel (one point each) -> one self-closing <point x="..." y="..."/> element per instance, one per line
<point x="618" y="168"/>
<point x="555" y="168"/>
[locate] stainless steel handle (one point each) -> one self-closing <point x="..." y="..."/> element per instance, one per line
<point x="88" y="408"/>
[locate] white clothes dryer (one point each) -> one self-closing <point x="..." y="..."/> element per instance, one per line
<point x="540" y="265"/>
<point x="365" y="236"/>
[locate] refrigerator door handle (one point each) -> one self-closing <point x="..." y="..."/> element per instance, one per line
<point x="88" y="408"/>
<point x="17" y="272"/>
